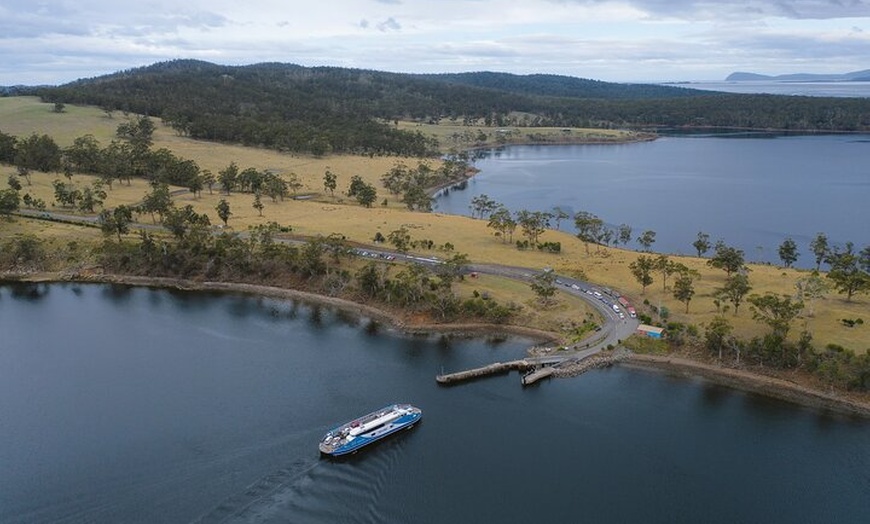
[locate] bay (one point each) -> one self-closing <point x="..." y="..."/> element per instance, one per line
<point x="752" y="192"/>
<point x="122" y="404"/>
<point x="818" y="89"/>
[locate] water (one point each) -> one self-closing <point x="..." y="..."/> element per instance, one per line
<point x="823" y="89"/>
<point x="752" y="193"/>
<point x="135" y="405"/>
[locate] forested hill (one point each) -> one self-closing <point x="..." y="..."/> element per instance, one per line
<point x="329" y="109"/>
<point x="563" y="86"/>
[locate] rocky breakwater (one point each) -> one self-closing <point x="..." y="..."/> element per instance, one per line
<point x="572" y="368"/>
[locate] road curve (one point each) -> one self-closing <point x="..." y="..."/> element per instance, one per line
<point x="602" y="299"/>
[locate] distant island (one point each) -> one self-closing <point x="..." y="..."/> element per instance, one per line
<point x="855" y="76"/>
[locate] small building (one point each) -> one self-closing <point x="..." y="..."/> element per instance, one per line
<point x="650" y="331"/>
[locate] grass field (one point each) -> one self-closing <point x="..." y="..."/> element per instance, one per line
<point x="324" y="215"/>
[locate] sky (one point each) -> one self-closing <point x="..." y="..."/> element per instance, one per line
<point x="57" y="41"/>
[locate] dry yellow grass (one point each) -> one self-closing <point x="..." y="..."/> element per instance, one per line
<point x="24" y="115"/>
<point x="325" y="215"/>
<point x="455" y="135"/>
<point x="565" y="312"/>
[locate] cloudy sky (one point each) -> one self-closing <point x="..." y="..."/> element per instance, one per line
<point x="55" y="41"/>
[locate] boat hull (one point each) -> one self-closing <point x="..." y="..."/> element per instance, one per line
<point x="352" y="436"/>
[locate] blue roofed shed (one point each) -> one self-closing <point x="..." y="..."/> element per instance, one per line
<point x="650" y="331"/>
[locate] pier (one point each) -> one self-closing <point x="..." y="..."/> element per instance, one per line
<point x="533" y="376"/>
<point x="537" y="368"/>
<point x="490" y="369"/>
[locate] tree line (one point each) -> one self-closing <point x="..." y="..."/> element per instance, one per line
<point x="325" y="109"/>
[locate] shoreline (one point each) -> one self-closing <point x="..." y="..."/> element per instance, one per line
<point x="748" y="381"/>
<point x="742" y="380"/>
<point x="394" y="322"/>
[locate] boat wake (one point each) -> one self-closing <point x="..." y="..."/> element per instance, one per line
<point x="329" y="490"/>
<point x="235" y="507"/>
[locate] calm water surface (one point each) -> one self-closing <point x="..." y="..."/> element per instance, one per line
<point x="752" y="193"/>
<point x="126" y="404"/>
<point x="823" y="89"/>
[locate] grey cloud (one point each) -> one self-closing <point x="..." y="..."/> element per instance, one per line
<point x="730" y="9"/>
<point x="790" y="47"/>
<point x="23" y="19"/>
<point x="389" y="24"/>
<point x="477" y="50"/>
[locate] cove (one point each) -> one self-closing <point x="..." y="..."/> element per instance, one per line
<point x="125" y="404"/>
<point x="751" y="192"/>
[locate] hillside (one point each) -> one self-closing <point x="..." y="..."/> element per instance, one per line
<point x="854" y="76"/>
<point x="324" y="110"/>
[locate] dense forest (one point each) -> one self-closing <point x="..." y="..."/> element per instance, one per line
<point x="326" y="109"/>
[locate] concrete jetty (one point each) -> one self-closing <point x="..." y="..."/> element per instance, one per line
<point x="538" y="374"/>
<point x="490" y="369"/>
<point x="537" y="368"/>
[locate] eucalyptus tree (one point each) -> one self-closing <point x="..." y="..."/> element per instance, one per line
<point x="588" y="226"/>
<point x="38" y="152"/>
<point x="9" y="201"/>
<point x="846" y="273"/>
<point x="84" y="155"/>
<point x="483" y="206"/>
<point x="533" y="223"/>
<point x="560" y="214"/>
<point x="371" y="280"/>
<point x="139" y="132"/>
<point x="311" y="261"/>
<point x="777" y="311"/>
<point x="667" y="267"/>
<point x="181" y="221"/>
<point x="503" y="223"/>
<point x="452" y="268"/>
<point x="223" y="211"/>
<point x="544" y="287"/>
<point x="157" y="201"/>
<point x="702" y="243"/>
<point x="13" y="182"/>
<point x="684" y="288"/>
<point x="735" y="290"/>
<point x="276" y="187"/>
<point x="364" y="193"/>
<point x="330" y="182"/>
<point x="809" y="289"/>
<point x="7" y="148"/>
<point x="208" y="179"/>
<point x="258" y="203"/>
<point x="819" y="247"/>
<point x="417" y="198"/>
<point x="400" y="239"/>
<point x="717" y="334"/>
<point x="647" y="239"/>
<point x="116" y="221"/>
<point x="195" y="184"/>
<point x="623" y="234"/>
<point x="864" y="259"/>
<point x="727" y="258"/>
<point x="293" y="182"/>
<point x="788" y="252"/>
<point x="642" y="269"/>
<point x="396" y="179"/>
<point x="228" y="177"/>
<point x="91" y="197"/>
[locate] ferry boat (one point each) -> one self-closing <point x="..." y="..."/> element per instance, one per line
<point x="358" y="433"/>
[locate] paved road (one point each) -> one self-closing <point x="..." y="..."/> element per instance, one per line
<point x="602" y="299"/>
